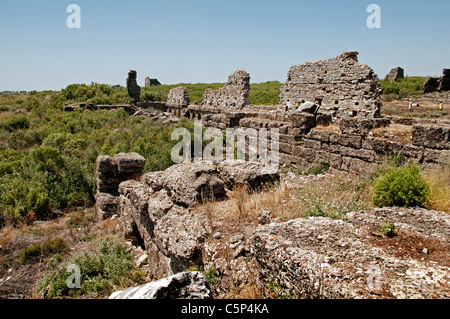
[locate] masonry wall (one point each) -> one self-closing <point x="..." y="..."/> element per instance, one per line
<point x="351" y="144"/>
<point x="341" y="86"/>
<point x="234" y="94"/>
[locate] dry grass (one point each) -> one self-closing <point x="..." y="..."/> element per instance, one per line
<point x="395" y="132"/>
<point x="439" y="181"/>
<point x="331" y="127"/>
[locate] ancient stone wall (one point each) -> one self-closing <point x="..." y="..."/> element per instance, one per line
<point x="395" y="74"/>
<point x="341" y="86"/>
<point x="433" y="84"/>
<point x="111" y="171"/>
<point x="234" y="94"/>
<point x="178" y="97"/>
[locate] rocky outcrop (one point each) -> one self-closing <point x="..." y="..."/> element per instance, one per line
<point x="156" y="212"/>
<point x="312" y="257"/>
<point x="186" y="285"/>
<point x="324" y="258"/>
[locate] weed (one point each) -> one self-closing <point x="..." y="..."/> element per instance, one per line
<point x="387" y="228"/>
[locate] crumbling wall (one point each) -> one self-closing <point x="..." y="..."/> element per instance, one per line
<point x="395" y="74"/>
<point x="433" y="84"/>
<point x="340" y="85"/>
<point x="111" y="171"/>
<point x="133" y="89"/>
<point x="234" y="94"/>
<point x="178" y="96"/>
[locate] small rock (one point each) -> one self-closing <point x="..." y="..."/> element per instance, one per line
<point x="217" y="235"/>
<point x="142" y="260"/>
<point x="425" y="251"/>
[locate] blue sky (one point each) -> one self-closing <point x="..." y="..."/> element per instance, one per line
<point x="205" y="41"/>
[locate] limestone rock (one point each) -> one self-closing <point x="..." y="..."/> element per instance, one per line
<point x="129" y="162"/>
<point x="254" y="175"/>
<point x="323" y="258"/>
<point x="186" y="285"/>
<point x="308" y="107"/>
<point x="433" y="136"/>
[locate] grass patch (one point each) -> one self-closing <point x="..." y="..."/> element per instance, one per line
<point x="46" y="249"/>
<point x="110" y="269"/>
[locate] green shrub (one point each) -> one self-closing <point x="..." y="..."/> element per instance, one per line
<point x="48" y="248"/>
<point x="387" y="228"/>
<point x="403" y="186"/>
<point x="113" y="268"/>
<point x="17" y="123"/>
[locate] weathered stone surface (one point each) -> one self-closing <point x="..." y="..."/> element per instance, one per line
<point x="234" y="94"/>
<point x="395" y="74"/>
<point x="308" y="107"/>
<point x="106" y="204"/>
<point x="185" y="285"/>
<point x="324" y="258"/>
<point x="129" y="162"/>
<point x="111" y="171"/>
<point x="341" y="83"/>
<point x="189" y="183"/>
<point x="361" y="126"/>
<point x="236" y="173"/>
<point x="133" y="89"/>
<point x="178" y="97"/>
<point x="432" y="136"/>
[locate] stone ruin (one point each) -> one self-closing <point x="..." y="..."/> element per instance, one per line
<point x="234" y="94"/>
<point x="342" y="127"/>
<point x="111" y="171"/>
<point x="340" y="85"/>
<point x="150" y="82"/>
<point x="178" y="97"/>
<point x="396" y="74"/>
<point x="434" y="84"/>
<point x="133" y="89"/>
<point x="307" y="257"/>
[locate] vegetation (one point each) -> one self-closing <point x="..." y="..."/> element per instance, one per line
<point x="47" y="156"/>
<point x="387" y="228"/>
<point x="402" y="186"/>
<point x="101" y="274"/>
<point x="403" y="88"/>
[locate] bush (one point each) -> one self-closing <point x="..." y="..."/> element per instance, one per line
<point x="49" y="247"/>
<point x="101" y="274"/>
<point x="403" y="186"/>
<point x="17" y="123"/>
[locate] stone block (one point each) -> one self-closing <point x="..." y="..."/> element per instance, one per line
<point x="432" y="136"/>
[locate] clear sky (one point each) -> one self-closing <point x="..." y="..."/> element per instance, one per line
<point x="206" y="40"/>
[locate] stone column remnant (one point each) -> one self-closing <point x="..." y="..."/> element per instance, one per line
<point x="134" y="90"/>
